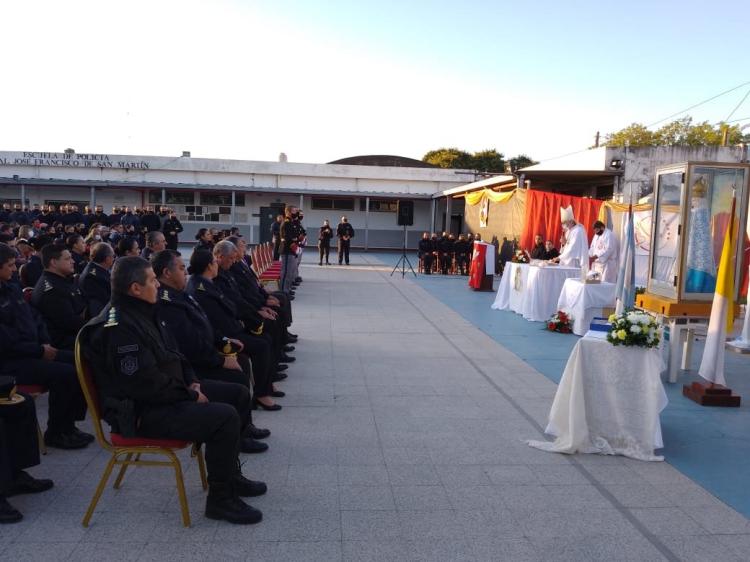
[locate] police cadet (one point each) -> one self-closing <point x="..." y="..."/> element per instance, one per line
<point x="426" y="249"/>
<point x="58" y="298"/>
<point x="171" y="229"/>
<point x="148" y="389"/>
<point x="211" y="355"/>
<point x="77" y="248"/>
<point x="19" y="449"/>
<point x="94" y="281"/>
<point x="345" y="233"/>
<point x="324" y="242"/>
<point x="222" y="313"/>
<point x="461" y="249"/>
<point x="26" y="354"/>
<point x="289" y="245"/>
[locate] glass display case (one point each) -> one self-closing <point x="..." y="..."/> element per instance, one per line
<point x="692" y="206"/>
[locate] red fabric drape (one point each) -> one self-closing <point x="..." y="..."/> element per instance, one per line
<point x="543" y="216"/>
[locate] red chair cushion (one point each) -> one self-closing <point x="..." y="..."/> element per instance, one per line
<point x="32" y="388"/>
<point x="120" y="441"/>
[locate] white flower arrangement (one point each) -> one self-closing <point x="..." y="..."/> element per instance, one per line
<point x="634" y="328"/>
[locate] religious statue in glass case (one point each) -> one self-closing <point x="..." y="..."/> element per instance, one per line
<point x="692" y="206"/>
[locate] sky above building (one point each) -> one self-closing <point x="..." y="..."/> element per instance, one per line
<point x="325" y="80"/>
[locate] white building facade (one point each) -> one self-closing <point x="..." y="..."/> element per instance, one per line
<point x="222" y="193"/>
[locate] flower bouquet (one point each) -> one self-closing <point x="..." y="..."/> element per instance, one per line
<point x="560" y="322"/>
<point x="634" y="328"/>
<point x="520" y="257"/>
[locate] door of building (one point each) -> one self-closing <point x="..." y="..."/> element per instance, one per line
<point x="267" y="218"/>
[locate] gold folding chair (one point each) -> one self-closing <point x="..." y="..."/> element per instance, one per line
<point x="127" y="451"/>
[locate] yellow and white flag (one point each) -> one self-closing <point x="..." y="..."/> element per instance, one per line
<point x="722" y="312"/>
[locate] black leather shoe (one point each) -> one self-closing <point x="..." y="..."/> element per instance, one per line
<point x="274" y="408"/>
<point x="291" y="339"/>
<point x="27" y="484"/>
<point x="290" y="297"/>
<point x="298" y="279"/>
<point x="282" y="368"/>
<point x="247" y="488"/>
<point x="278" y="394"/>
<point x="256" y="432"/>
<point x="223" y="503"/>
<point x="83" y="435"/>
<point x="291" y="335"/>
<point x="278" y="377"/>
<point x="8" y="513"/>
<point x="287" y="359"/>
<point x="288" y="348"/>
<point x="65" y="441"/>
<point x="251" y="446"/>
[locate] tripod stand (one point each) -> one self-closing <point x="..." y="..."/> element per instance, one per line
<point x="403" y="261"/>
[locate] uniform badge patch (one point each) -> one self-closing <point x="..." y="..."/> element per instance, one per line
<point x="127" y="348"/>
<point x="128" y="365"/>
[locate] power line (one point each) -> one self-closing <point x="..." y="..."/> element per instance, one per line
<point x="699" y="104"/>
<point x="737" y="106"/>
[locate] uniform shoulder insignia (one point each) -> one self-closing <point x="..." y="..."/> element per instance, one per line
<point x="165" y="296"/>
<point x="201" y="287"/>
<point x="47" y="286"/>
<point x="112" y="318"/>
<point x="92" y="271"/>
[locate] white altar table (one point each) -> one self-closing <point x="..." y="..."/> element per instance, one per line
<point x="584" y="301"/>
<point x="608" y="401"/>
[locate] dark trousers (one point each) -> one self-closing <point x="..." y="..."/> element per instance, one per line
<point x="285" y="308"/>
<point x="66" y="402"/>
<point x="172" y="242"/>
<point x="261" y="355"/>
<point x="344" y="250"/>
<point x="276" y="248"/>
<point x="427" y="264"/>
<point x="19" y="444"/>
<point x="324" y="250"/>
<point x="217" y="424"/>
<point x="445" y="263"/>
<point x="461" y="263"/>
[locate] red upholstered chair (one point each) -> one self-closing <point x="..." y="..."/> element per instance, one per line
<point x="127" y="451"/>
<point x="35" y="391"/>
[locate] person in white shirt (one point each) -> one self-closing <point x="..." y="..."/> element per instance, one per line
<point x="604" y="253"/>
<point x="575" y="253"/>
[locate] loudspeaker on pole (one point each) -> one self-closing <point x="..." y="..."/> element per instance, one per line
<point x="405" y="213"/>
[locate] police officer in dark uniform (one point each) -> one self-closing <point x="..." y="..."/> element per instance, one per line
<point x="222" y="314"/>
<point x="461" y="249"/>
<point x="276" y="236"/>
<point x="19" y="216"/>
<point x="58" y="298"/>
<point x="26" y="354"/>
<point x="445" y="248"/>
<point x="171" y="229"/>
<point x="289" y="233"/>
<point x="5" y="213"/>
<point x="196" y="338"/>
<point x="148" y="388"/>
<point x="150" y="220"/>
<point x="100" y="217"/>
<point x="426" y="249"/>
<point x="94" y="281"/>
<point x="345" y="233"/>
<point x="19" y="449"/>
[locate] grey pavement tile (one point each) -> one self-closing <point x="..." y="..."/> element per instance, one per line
<point x="310" y="551"/>
<point x="318" y="455"/>
<point x="411" y="498"/>
<point x="701" y="549"/>
<point x="738" y="545"/>
<point x="366" y="497"/>
<point x="610" y="548"/>
<point x="575" y="523"/>
<point x="667" y="521"/>
<point x="122" y="551"/>
<point x="643" y="495"/>
<point x="301" y="498"/>
<point x="439" y="523"/>
<point x="558" y="474"/>
<point x="497" y="549"/>
<point x="311" y="475"/>
<point x="159" y="552"/>
<point x="436" y="550"/>
<point x="36" y="552"/>
<point x="376" y="550"/>
<point x="462" y="475"/>
<point x="406" y="455"/>
<point x="362" y="475"/>
<point x="689" y="495"/>
<point x="359" y="456"/>
<point x="511" y="474"/>
<point x="719" y="519"/>
<point x="285" y="526"/>
<point x="468" y="497"/>
<point x="499" y="523"/>
<point x="578" y="497"/>
<point x="54" y="528"/>
<point x="112" y="526"/>
<point x="420" y="474"/>
<point x="534" y="497"/>
<point x="370" y="525"/>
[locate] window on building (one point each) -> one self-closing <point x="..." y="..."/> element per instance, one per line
<point x="380" y="205"/>
<point x="182" y="197"/>
<point x="219" y="198"/>
<point x="332" y="204"/>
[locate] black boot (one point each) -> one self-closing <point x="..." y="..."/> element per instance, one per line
<point x="8" y="513"/>
<point x="224" y="504"/>
<point x="246" y="488"/>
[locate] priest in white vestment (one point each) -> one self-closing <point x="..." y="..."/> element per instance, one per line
<point x="575" y="253"/>
<point x="605" y="252"/>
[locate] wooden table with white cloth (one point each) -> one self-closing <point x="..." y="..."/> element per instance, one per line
<point x="584" y="301"/>
<point x="608" y="401"/>
<point x="532" y="290"/>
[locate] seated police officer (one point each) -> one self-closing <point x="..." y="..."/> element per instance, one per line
<point x="196" y="338"/>
<point x="25" y="353"/>
<point x="148" y="389"/>
<point x="19" y="449"/>
<point x="222" y="313"/>
<point x="94" y="281"/>
<point x="58" y="298"/>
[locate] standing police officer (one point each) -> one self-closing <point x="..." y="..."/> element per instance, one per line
<point x="345" y="233"/>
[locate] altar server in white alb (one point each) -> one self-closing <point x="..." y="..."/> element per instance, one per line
<point x="605" y="253"/>
<point x="575" y="253"/>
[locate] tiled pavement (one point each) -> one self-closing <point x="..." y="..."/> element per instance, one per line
<point x="400" y="439"/>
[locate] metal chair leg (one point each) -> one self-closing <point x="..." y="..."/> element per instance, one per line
<point x="42" y="444"/>
<point x="180" y="488"/>
<point x="198" y="452"/>
<point x="99" y="490"/>
<point x="121" y="473"/>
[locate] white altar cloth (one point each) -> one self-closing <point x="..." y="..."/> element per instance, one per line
<point x="608" y="401"/>
<point x="532" y="291"/>
<point x="584" y="301"/>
